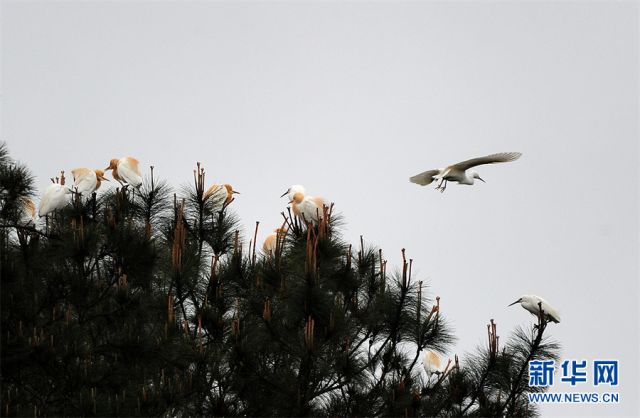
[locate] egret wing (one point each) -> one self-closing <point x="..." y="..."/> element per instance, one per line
<point x="554" y="317"/>
<point x="214" y="189"/>
<point x="319" y="201"/>
<point x="54" y="197"/>
<point x="80" y="172"/>
<point x="217" y="194"/>
<point x="269" y="243"/>
<point x="425" y="177"/>
<point x="552" y="313"/>
<point x="130" y="174"/>
<point x="501" y="157"/>
<point x="310" y="210"/>
<point x="131" y="163"/>
<point x="45" y="203"/>
<point x="85" y="180"/>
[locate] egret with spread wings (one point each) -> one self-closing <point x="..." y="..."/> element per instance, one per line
<point x="458" y="172"/>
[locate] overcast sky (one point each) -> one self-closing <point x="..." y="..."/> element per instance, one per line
<point x="350" y="99"/>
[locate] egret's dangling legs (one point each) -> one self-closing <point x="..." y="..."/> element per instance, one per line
<point x="442" y="187"/>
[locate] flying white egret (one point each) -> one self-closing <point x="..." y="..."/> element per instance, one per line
<point x="126" y="170"/>
<point x="55" y="197"/>
<point x="309" y="208"/>
<point x="458" y="172"/>
<point x="269" y="245"/>
<point x="531" y="303"/>
<point x="86" y="180"/>
<point x="432" y="364"/>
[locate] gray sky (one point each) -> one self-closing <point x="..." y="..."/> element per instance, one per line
<point x="350" y="99"/>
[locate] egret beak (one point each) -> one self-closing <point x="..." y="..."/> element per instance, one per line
<point x="517" y="301"/>
<point x="480" y="178"/>
<point x="234" y="192"/>
<point x="104" y="179"/>
<point x="282" y="195"/>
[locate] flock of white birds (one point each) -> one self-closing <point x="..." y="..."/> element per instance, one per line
<point x="86" y="181"/>
<point x="307" y="208"/>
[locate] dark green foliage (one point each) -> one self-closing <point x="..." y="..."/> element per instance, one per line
<point x="141" y="302"/>
<point x="16" y="183"/>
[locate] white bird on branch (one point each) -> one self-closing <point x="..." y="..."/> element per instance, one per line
<point x="54" y="198"/>
<point x="532" y="303"/>
<point x="126" y="170"/>
<point x="308" y="208"/>
<point x="432" y="364"/>
<point x="86" y="180"/>
<point x="220" y="194"/>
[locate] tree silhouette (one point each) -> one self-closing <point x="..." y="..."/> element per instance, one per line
<point x="140" y="302"/>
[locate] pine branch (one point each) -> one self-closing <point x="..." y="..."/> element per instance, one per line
<point x="31" y="230"/>
<point x="404" y="290"/>
<point x="542" y="325"/>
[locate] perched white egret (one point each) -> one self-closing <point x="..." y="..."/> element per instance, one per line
<point x="55" y="197"/>
<point x="309" y="208"/>
<point x="126" y="170"/>
<point x="458" y="172"/>
<point x="86" y="180"/>
<point x="269" y="245"/>
<point x="221" y="194"/>
<point x="27" y="211"/>
<point x="431" y="362"/>
<point x="531" y="303"/>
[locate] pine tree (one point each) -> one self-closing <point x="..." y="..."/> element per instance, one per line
<point x="140" y="302"/>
